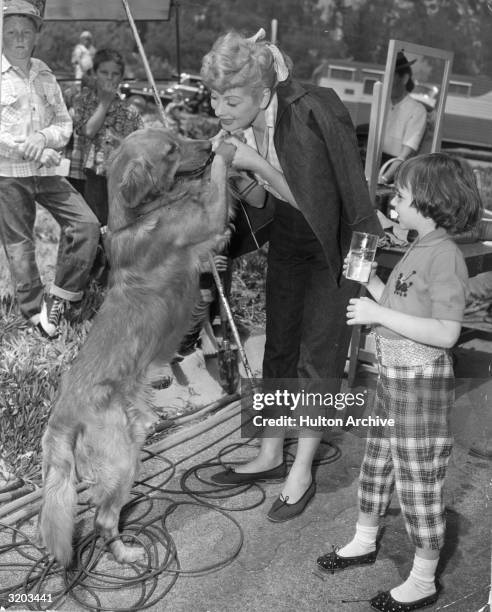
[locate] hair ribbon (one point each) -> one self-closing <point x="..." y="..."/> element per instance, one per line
<point x="279" y="64"/>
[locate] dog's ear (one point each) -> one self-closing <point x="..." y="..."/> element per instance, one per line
<point x="137" y="181"/>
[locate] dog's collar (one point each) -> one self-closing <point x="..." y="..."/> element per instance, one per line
<point x="197" y="171"/>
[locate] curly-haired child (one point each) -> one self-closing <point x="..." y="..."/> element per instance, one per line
<point x="417" y="318"/>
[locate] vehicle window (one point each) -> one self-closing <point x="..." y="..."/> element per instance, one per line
<point x="459" y="89"/>
<point x="344" y="74"/>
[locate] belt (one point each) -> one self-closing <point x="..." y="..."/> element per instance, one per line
<point x="396" y="352"/>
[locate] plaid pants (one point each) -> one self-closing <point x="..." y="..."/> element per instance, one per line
<point x="412" y="455"/>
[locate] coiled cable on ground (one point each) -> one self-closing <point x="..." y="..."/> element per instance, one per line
<point x="95" y="576"/>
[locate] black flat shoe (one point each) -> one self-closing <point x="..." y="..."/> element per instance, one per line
<point x="229" y="476"/>
<point x="283" y="511"/>
<point x="332" y="562"/>
<point x="384" y="602"/>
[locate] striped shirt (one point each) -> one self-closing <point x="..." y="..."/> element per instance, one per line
<point x="30" y="103"/>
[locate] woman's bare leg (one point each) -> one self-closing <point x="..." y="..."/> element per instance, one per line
<point x="270" y="456"/>
<point x="300" y="475"/>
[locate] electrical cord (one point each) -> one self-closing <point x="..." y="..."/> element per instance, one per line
<point x="93" y="577"/>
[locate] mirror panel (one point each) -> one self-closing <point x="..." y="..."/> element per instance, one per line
<point x="431" y="69"/>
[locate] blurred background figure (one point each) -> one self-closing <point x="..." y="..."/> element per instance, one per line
<point x="83" y="54"/>
<point x="74" y="150"/>
<point x="406" y="121"/>
<point x="101" y="119"/>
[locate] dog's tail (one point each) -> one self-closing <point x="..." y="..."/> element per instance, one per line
<point x="59" y="495"/>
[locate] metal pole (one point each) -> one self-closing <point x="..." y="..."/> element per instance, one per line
<point x="148" y="71"/>
<point x="1" y="44"/>
<point x="230" y="318"/>
<point x="178" y="46"/>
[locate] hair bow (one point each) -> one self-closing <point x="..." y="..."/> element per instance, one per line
<point x="279" y="64"/>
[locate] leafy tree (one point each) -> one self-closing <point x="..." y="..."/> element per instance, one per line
<point x="308" y="31"/>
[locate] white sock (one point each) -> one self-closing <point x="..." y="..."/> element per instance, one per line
<point x="363" y="542"/>
<point x="420" y="583"/>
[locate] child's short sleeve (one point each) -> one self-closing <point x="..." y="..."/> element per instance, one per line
<point x="448" y="277"/>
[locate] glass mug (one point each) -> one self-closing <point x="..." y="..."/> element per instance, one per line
<point x="360" y="257"/>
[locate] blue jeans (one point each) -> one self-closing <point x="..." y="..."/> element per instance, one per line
<point x="78" y="240"/>
<point x="96" y="195"/>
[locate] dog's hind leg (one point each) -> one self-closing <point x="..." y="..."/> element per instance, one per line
<point x="107" y="521"/>
<point x="111" y="494"/>
<point x="107" y="518"/>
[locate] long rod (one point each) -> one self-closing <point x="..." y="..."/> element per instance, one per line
<point x="146" y="64"/>
<point x="1" y="43"/>
<point x="230" y="318"/>
<point x="178" y="43"/>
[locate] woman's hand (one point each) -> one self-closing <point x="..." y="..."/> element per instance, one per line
<point x="362" y="311"/>
<point x="245" y="158"/>
<point x="222" y="135"/>
<point x="217" y="140"/>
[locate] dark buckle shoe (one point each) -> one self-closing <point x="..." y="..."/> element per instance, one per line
<point x="283" y="511"/>
<point x="332" y="562"/>
<point x="230" y="477"/>
<point x="384" y="602"/>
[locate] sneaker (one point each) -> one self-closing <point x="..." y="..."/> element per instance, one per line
<point x="50" y="315"/>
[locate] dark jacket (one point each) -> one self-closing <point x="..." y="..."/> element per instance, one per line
<point x="317" y="149"/>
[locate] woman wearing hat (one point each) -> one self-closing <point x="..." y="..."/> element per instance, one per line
<point x="406" y="120"/>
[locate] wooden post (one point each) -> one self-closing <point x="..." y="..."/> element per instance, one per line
<point x="371" y="167"/>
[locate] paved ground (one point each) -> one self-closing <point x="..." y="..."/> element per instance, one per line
<point x="265" y="567"/>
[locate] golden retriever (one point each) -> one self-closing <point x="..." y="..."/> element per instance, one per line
<point x="166" y="214"/>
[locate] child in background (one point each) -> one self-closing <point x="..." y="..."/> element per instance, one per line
<point x="102" y="119"/>
<point x="74" y="149"/>
<point x="417" y="318"/>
